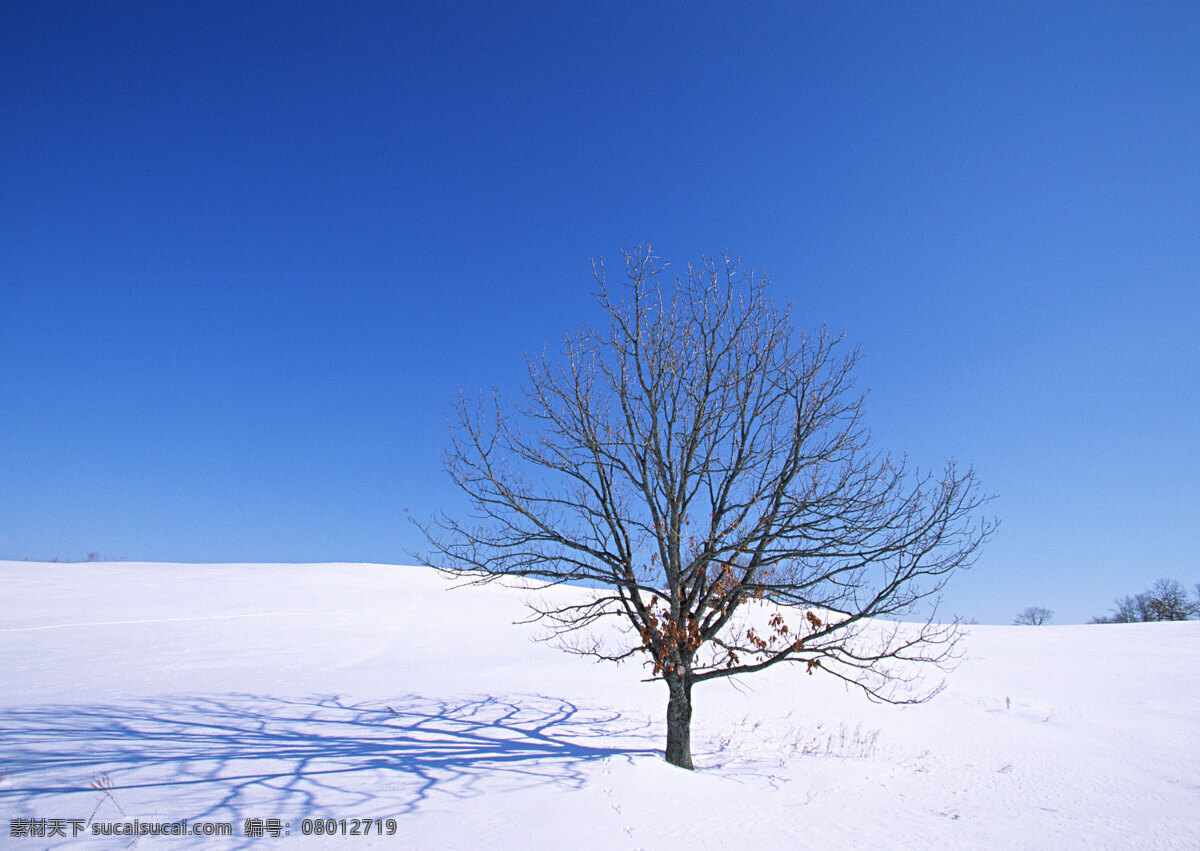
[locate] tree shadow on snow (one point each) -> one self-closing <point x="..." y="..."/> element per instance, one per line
<point x="236" y="756"/>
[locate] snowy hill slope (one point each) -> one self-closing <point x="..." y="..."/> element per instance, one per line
<point x="221" y="693"/>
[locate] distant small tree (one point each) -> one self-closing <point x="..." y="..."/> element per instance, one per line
<point x="1165" y="601"/>
<point x="695" y="461"/>
<point x="1169" y="602"/>
<point x="1033" y="616"/>
<point x="1132" y="609"/>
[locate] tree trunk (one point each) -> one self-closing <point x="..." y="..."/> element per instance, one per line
<point x="679" y="720"/>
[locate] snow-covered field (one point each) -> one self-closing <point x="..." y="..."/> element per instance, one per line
<point x="221" y="693"/>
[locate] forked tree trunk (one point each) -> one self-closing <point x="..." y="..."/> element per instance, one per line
<point x="679" y="721"/>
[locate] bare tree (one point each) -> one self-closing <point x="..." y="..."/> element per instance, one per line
<point x="1133" y="609"/>
<point x="1165" y="601"/>
<point x="1033" y="616"/>
<point x="709" y="474"/>
<point x="1168" y="601"/>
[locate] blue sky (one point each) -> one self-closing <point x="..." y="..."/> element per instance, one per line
<point x="251" y="250"/>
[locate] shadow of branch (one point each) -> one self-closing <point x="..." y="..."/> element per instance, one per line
<point x="239" y="755"/>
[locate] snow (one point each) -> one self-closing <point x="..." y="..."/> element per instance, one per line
<point x="229" y="692"/>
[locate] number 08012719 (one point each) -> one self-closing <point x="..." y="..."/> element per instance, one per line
<point x="348" y="827"/>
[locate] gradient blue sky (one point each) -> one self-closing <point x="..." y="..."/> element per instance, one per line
<point x="250" y="251"/>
